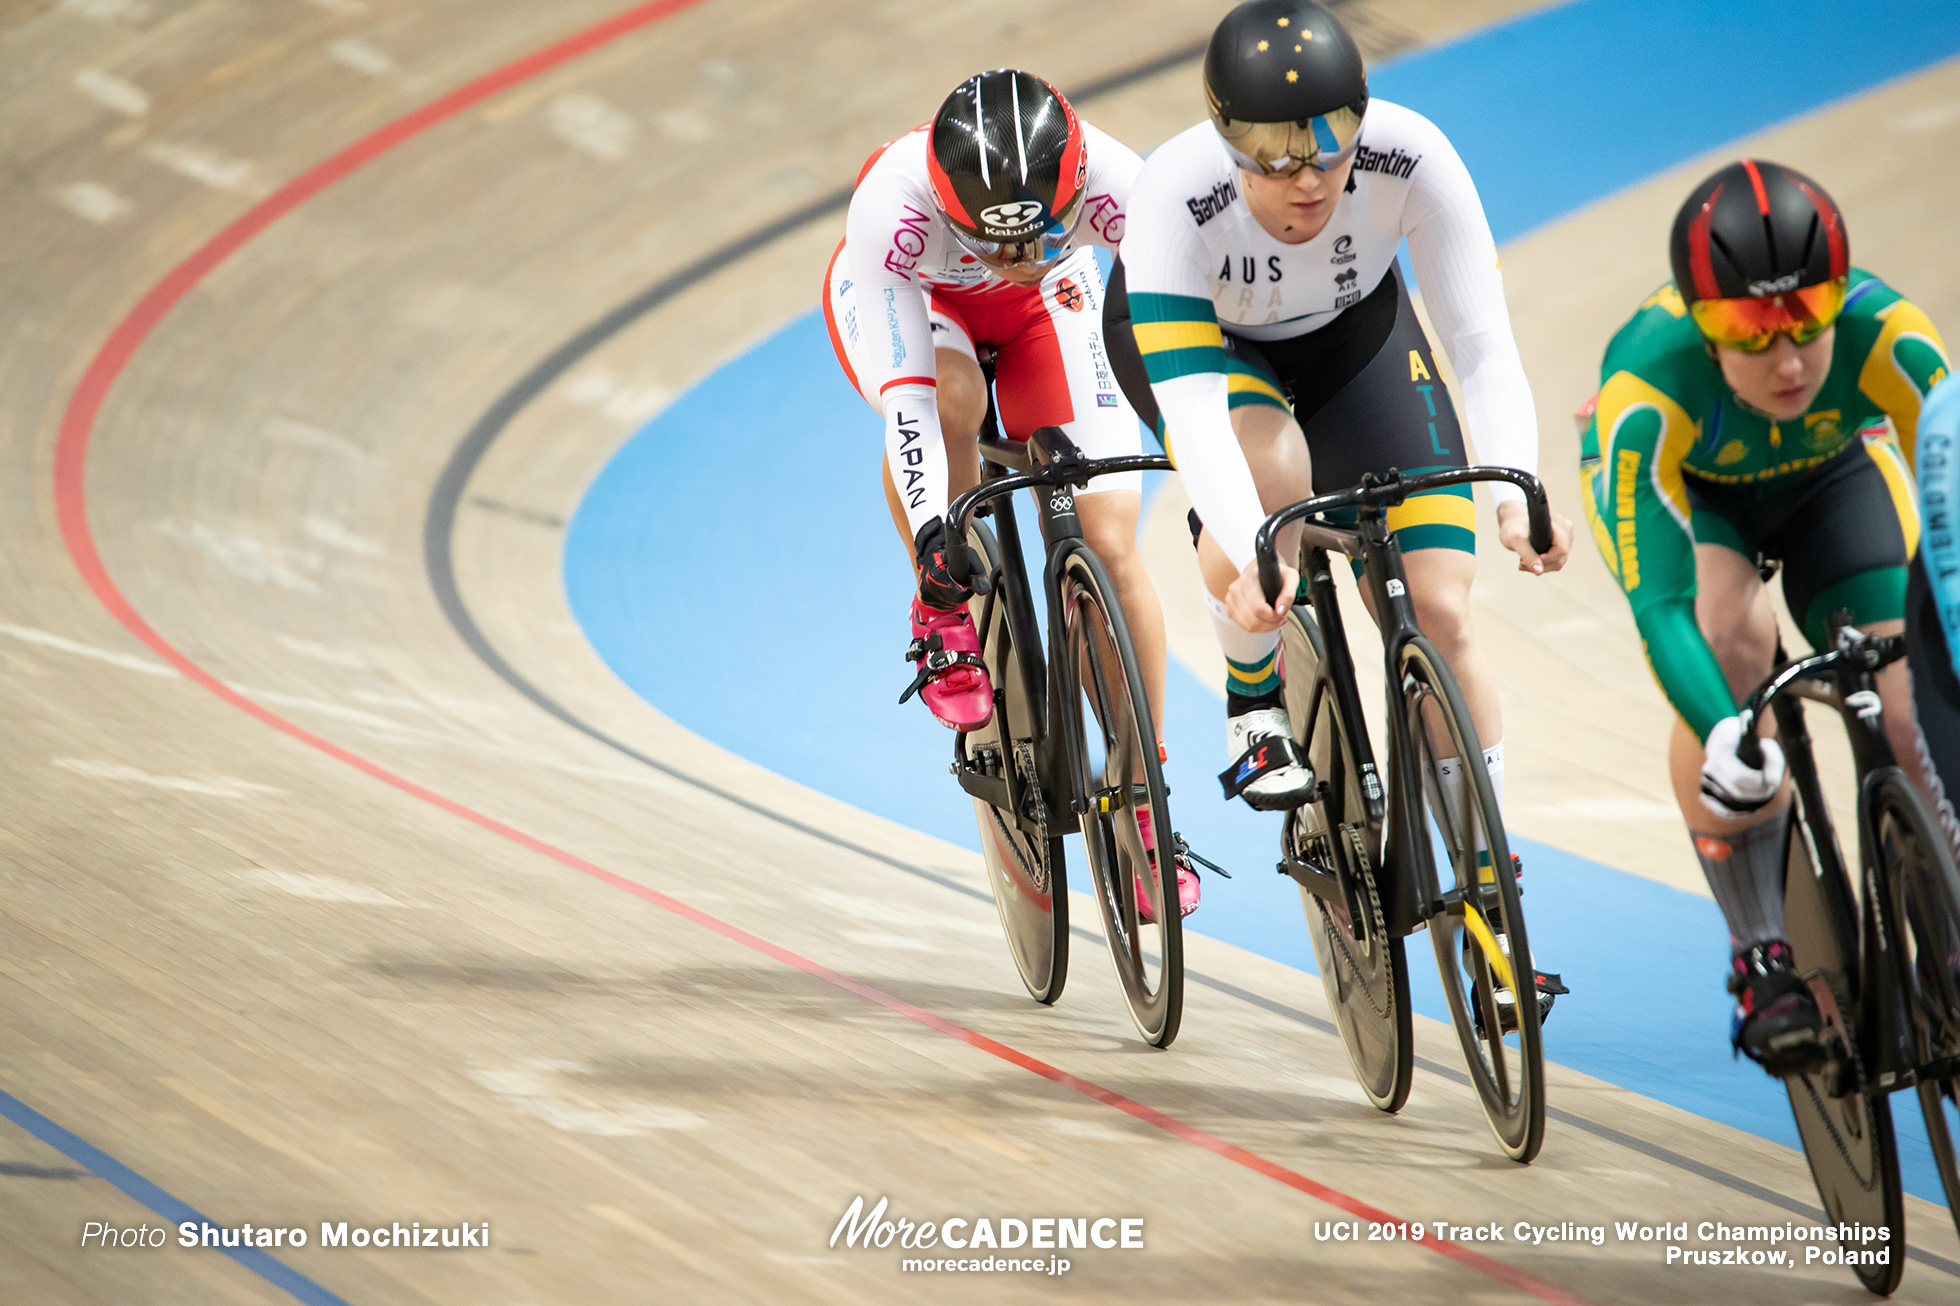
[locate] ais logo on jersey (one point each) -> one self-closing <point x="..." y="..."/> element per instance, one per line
<point x="1344" y="291"/>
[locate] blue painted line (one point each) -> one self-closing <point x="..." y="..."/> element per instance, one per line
<point x="172" y="1209"/>
<point x="677" y="544"/>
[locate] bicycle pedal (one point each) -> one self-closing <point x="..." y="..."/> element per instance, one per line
<point x="1181" y="848"/>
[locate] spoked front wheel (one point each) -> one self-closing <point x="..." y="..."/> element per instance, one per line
<point x="1126" y="828"/>
<point x="1024" y="862"/>
<point x="1915" y="863"/>
<point x="1365" y="972"/>
<point x="1482" y="953"/>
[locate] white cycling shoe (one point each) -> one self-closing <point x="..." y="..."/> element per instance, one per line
<point x="1268" y="771"/>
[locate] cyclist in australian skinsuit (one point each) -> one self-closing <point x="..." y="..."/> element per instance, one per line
<point x="971" y="234"/>
<point x="1761" y="405"/>
<point x="1258" y="319"/>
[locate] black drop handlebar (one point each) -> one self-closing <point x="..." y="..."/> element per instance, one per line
<point x="1388" y="491"/>
<point x="1856" y="652"/>
<point x="1053" y="460"/>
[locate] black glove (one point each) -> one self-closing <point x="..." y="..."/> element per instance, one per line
<point x="939" y="585"/>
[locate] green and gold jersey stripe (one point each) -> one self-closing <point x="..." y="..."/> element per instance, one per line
<point x="1178" y="335"/>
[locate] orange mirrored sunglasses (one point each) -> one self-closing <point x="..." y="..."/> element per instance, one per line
<point x="1752" y="324"/>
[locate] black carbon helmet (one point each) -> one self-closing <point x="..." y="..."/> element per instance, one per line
<point x="1755" y="229"/>
<point x="1006" y="160"/>
<point x="1289" y="64"/>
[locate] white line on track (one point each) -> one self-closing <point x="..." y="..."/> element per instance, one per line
<point x="112" y="92"/>
<point x="599" y="389"/>
<point x="216" y="787"/>
<point x="92" y="201"/>
<point x="48" y="639"/>
<point x="321" y="888"/>
<point x="589" y="124"/>
<point x="357" y="54"/>
<point x="304" y="435"/>
<point x="327" y="531"/>
<point x="248" y="556"/>
<point x="108" y="11"/>
<point x="537" y="1092"/>
<point x="213" y="167"/>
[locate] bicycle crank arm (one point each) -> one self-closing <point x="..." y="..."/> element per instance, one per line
<point x="1321" y="884"/>
<point x="1499" y="961"/>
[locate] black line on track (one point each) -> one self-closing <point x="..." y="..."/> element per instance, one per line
<point x="439" y="525"/>
<point x="438" y="530"/>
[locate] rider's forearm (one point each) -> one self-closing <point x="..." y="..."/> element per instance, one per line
<point x="1684" y="664"/>
<point x="1198" y="433"/>
<point x="915" y="452"/>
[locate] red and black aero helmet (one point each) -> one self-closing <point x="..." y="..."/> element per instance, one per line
<point x="1007" y="167"/>
<point x="1755" y="230"/>
<point x="1759" y="251"/>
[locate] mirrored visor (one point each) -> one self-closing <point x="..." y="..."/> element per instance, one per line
<point x="1280" y="149"/>
<point x="1751" y="323"/>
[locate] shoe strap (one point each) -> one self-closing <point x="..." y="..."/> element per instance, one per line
<point x="1267" y="754"/>
<point x="936" y="662"/>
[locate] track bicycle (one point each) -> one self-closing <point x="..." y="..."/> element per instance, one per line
<point x="1072" y="744"/>
<point x="1883" y="962"/>
<point x="1361" y="849"/>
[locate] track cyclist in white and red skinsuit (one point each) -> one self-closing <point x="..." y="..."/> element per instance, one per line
<point x="968" y="237"/>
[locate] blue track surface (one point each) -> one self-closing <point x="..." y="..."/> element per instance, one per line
<point x="676" y="545"/>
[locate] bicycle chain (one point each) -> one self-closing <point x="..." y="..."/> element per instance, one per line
<point x="1024" y="763"/>
<point x="1858" y="1066"/>
<point x="1379" y="931"/>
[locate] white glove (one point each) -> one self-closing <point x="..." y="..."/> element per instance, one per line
<point x="1731" y="787"/>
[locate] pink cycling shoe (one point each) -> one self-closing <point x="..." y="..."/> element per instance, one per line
<point x="1188" y="890"/>
<point x="952" y="679"/>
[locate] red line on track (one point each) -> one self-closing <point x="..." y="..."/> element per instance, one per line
<point x="71" y="504"/>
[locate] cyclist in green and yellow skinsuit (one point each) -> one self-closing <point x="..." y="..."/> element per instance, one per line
<point x="1763" y="404"/>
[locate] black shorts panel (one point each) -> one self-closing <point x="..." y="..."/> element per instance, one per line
<point x="1825" y="526"/>
<point x="1364" y="388"/>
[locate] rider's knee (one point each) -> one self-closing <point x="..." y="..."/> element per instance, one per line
<point x="962" y="400"/>
<point x="1443" y="612"/>
<point x="1109" y="530"/>
<point x="1742" y="649"/>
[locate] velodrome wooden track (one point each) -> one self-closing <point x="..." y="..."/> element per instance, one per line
<point x="401" y="946"/>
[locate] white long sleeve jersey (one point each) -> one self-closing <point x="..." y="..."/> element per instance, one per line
<point x="898" y="251"/>
<point x="1196" y="259"/>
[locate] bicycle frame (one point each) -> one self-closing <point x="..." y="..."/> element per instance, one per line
<point x="1050" y="464"/>
<point x="1867" y="937"/>
<point x="1409" y="889"/>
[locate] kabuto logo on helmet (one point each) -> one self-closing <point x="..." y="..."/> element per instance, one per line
<point x="1012" y="217"/>
<point x="1776" y="287"/>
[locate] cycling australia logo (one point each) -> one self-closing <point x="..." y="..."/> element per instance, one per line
<point x="1343" y="250"/>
